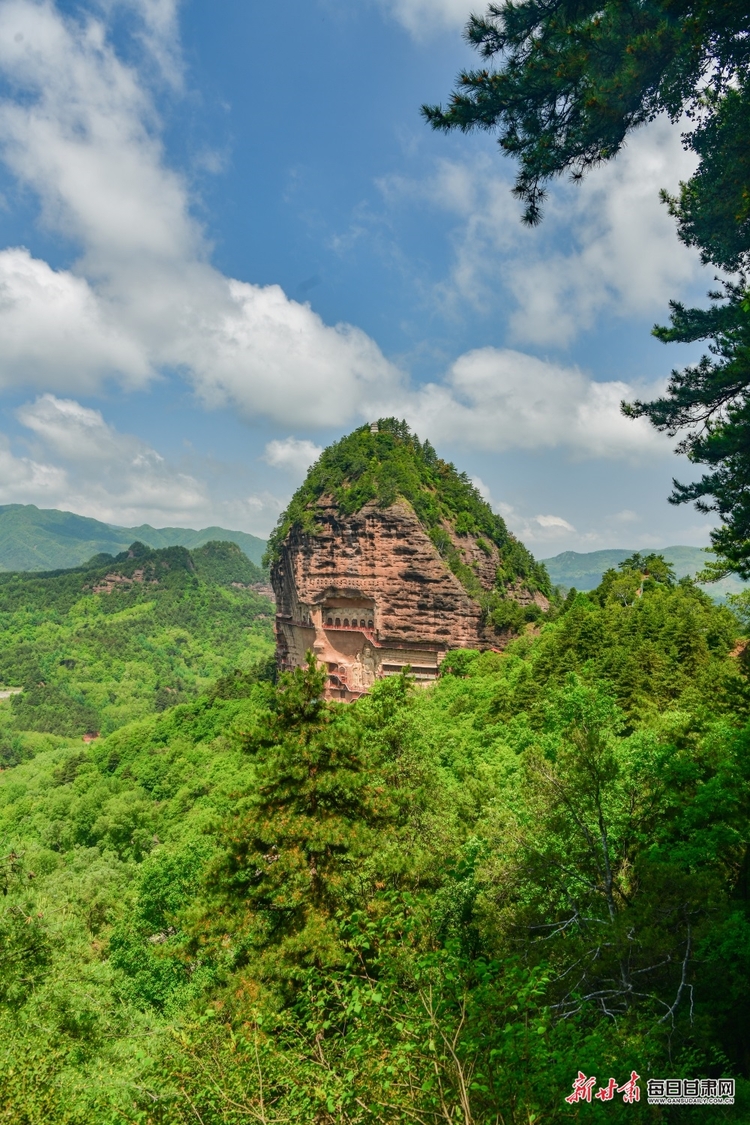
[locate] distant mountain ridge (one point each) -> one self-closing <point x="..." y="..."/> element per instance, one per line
<point x="584" y="570"/>
<point x="35" y="539"/>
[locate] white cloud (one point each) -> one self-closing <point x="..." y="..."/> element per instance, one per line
<point x="80" y="130"/>
<point x="80" y="434"/>
<point x="26" y="481"/>
<point x="530" y="529"/>
<point x="56" y="332"/>
<point x="84" y="464"/>
<point x="483" y="490"/>
<point x="424" y="17"/>
<point x="272" y="356"/>
<point x="79" y="462"/>
<point x="499" y="399"/>
<point x="554" y="523"/>
<point x="538" y="531"/>
<point x="622" y="256"/>
<point x="159" y="33"/>
<point x="257" y="513"/>
<point x="293" y="454"/>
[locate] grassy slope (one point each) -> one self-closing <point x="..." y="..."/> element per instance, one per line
<point x="46" y="539"/>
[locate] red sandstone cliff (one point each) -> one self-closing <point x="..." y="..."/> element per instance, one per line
<point x="369" y="593"/>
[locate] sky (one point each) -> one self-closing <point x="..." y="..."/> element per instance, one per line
<point x="227" y="238"/>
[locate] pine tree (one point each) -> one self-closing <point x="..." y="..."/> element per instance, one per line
<point x="570" y="82"/>
<point x="290" y="864"/>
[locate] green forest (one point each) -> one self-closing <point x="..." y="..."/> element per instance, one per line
<point x="227" y="900"/>
<point x="123" y="637"/>
<point x="44" y="539"/>
<point x="431" y="905"/>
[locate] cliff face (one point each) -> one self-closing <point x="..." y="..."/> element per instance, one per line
<point x="369" y="593"/>
<point x="386" y="556"/>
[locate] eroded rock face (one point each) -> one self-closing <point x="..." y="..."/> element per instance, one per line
<point x="369" y="594"/>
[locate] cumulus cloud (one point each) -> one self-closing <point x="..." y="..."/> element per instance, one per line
<point x="552" y="532"/>
<point x="158" y="34"/>
<point x="554" y="523"/>
<point x="499" y="399"/>
<point x="26" y="481"/>
<point x="272" y="356"/>
<point x="536" y="530"/>
<point x="294" y="454"/>
<point x="621" y="255"/>
<point x="79" y="128"/>
<point x="78" y="461"/>
<point x="83" y="463"/>
<point x="57" y="333"/>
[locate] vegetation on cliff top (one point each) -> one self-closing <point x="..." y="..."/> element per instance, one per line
<point x="390" y="464"/>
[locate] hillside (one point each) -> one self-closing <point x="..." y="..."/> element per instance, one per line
<point x="584" y="570"/>
<point x="115" y="640"/>
<point x="37" y="539"/>
<point x="259" y="906"/>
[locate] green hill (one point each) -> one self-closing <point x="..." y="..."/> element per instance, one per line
<point x="257" y="906"/>
<point x="244" y="903"/>
<point x="118" y="639"/>
<point x="35" y="539"/>
<point x="584" y="570"/>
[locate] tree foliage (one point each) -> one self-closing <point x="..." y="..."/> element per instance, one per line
<point x="570" y="81"/>
<point x="112" y="641"/>
<point x="433" y="905"/>
<point x="711" y="401"/>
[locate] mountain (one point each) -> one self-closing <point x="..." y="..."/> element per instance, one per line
<point x="118" y="639"/>
<point x="584" y="570"/>
<point x="35" y="539"/>
<point x="387" y="556"/>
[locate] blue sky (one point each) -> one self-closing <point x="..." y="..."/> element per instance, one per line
<point x="227" y="238"/>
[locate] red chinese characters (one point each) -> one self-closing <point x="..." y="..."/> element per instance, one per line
<point x="583" y="1088"/>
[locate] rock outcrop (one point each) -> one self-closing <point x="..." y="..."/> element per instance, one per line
<point x="372" y="590"/>
<point x="369" y="594"/>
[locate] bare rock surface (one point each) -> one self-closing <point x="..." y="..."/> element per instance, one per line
<point x="369" y="593"/>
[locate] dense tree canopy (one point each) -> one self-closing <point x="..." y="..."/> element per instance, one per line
<point x="576" y="77"/>
<point x="116" y="639"/>
<point x="432" y="905"/>
<point x="570" y="81"/>
<point x="710" y="401"/>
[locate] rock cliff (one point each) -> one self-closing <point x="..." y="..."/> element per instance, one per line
<point x="372" y="585"/>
